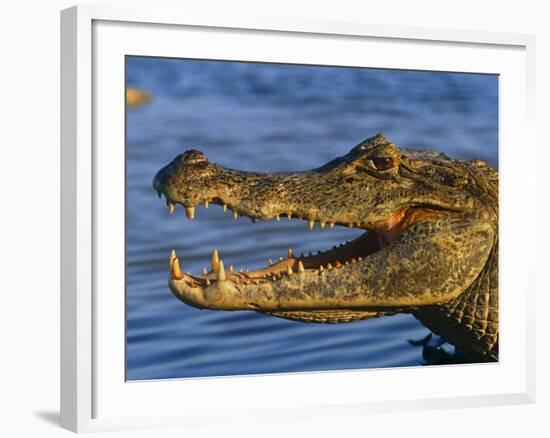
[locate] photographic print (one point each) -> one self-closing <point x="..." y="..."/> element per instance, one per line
<point x="311" y="218"/>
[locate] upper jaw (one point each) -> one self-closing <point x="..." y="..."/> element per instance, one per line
<point x="265" y="214"/>
<point x="191" y="180"/>
<point x="269" y="203"/>
<point x="263" y="209"/>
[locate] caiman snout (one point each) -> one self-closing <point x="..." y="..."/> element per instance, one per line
<point x="183" y="179"/>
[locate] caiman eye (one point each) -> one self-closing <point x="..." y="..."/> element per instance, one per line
<point x="382" y="163"/>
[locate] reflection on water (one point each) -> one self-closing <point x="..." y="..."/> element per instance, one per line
<point x="267" y="117"/>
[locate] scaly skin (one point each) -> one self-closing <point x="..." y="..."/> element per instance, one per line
<point x="430" y="249"/>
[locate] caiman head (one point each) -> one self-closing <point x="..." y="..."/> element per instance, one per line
<point x="429" y="229"/>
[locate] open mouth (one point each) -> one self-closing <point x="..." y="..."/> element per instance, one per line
<point x="294" y="264"/>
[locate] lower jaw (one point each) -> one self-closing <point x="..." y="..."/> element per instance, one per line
<point x="346" y="254"/>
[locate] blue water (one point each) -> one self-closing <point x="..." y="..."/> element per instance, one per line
<point x="268" y="117"/>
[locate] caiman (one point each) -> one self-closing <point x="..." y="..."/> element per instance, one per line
<point x="430" y="246"/>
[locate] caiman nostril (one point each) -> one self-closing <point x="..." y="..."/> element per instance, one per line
<point x="192" y="157"/>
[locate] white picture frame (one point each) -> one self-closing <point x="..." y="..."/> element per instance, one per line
<point x="94" y="395"/>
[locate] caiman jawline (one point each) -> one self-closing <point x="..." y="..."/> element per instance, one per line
<point x="351" y="252"/>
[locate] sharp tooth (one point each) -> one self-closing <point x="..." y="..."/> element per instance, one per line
<point x="224" y="208"/>
<point x="172" y="257"/>
<point x="289" y="270"/>
<point x="289" y="216"/>
<point x="290" y="254"/>
<point x="206" y="204"/>
<point x="270" y="261"/>
<point x="190" y="212"/>
<point x="273" y="278"/>
<point x="204" y="271"/>
<point x="329" y="266"/>
<point x="221" y="272"/>
<point x="310" y="224"/>
<point x="301" y="269"/>
<point x="175" y="271"/>
<point x="231" y="269"/>
<point x="321" y="269"/>
<point x="331" y="224"/>
<point x="337" y="264"/>
<point x="235" y="215"/>
<point x="171" y="208"/>
<point x="322" y="225"/>
<point x="208" y="282"/>
<point x="277" y="217"/>
<point x="215" y="260"/>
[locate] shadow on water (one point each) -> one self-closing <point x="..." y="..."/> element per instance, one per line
<point x="265" y="117"/>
